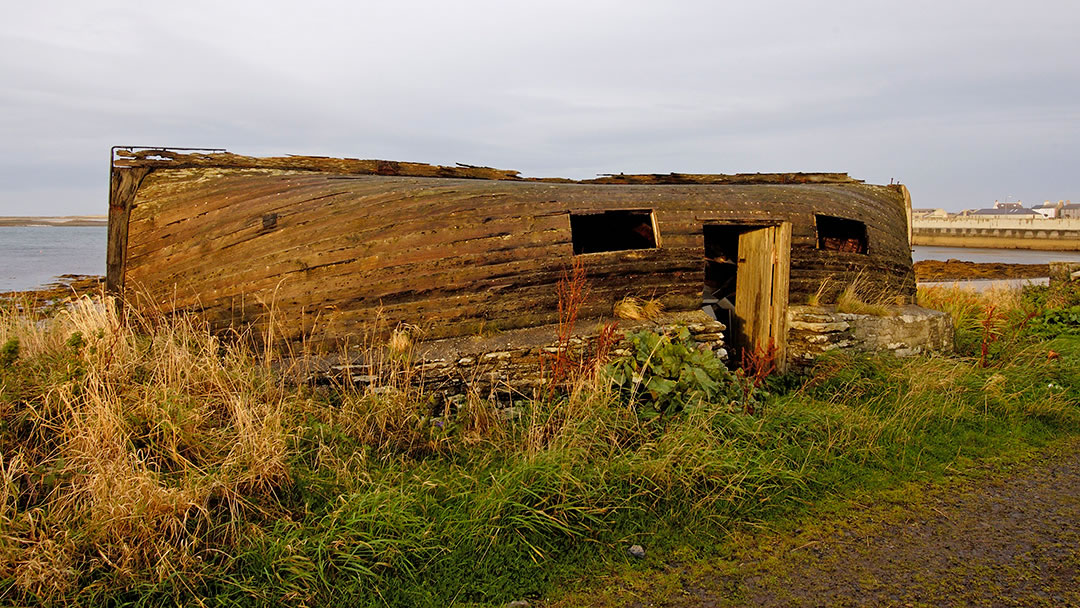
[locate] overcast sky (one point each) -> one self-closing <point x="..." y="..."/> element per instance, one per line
<point x="965" y="102"/>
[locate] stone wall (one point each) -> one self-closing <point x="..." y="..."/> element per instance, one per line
<point x="514" y="366"/>
<point x="813" y="330"/>
<point x="1063" y="272"/>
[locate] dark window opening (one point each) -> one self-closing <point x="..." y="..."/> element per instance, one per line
<point x="840" y="234"/>
<point x="612" y="231"/>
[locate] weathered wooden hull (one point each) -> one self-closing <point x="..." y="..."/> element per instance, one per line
<point x="328" y="253"/>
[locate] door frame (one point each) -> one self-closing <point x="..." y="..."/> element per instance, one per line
<point x="770" y="325"/>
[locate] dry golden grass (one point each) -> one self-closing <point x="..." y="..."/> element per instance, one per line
<point x="637" y="309"/>
<point x="967" y="306"/>
<point x="850" y="301"/>
<point x="401" y="339"/>
<point x="856" y="298"/>
<point x="144" y="433"/>
<point x="818" y="297"/>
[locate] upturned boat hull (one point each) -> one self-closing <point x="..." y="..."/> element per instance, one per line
<point x="325" y="247"/>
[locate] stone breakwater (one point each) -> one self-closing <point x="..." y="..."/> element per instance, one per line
<point x="516" y="371"/>
<point x="998" y="233"/>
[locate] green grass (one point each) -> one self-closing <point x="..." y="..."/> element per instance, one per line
<point x="149" y="463"/>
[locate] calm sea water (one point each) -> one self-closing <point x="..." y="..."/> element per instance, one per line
<point x="32" y="256"/>
<point x="1007" y="256"/>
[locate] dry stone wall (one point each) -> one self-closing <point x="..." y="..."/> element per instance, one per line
<point x="813" y="330"/>
<point x="520" y="370"/>
<point x="508" y="367"/>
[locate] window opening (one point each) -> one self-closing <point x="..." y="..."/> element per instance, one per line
<point x="840" y="234"/>
<point x="612" y="231"/>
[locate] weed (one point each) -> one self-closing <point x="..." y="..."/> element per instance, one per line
<point x="758" y="364"/>
<point x="564" y="365"/>
<point x="666" y="374"/>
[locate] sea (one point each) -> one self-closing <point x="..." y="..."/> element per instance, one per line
<point x="34" y="256"/>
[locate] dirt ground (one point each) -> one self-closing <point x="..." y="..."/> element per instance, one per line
<point x="995" y="539"/>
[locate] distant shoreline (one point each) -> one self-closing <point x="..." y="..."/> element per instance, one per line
<point x="64" y="220"/>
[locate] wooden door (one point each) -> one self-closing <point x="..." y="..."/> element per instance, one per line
<point x="761" y="290"/>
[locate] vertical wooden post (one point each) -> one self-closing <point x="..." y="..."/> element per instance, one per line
<point x="123" y="185"/>
<point x="781" y="270"/>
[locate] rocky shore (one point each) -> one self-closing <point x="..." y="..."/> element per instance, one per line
<point x="955" y="270"/>
<point x="66" y="286"/>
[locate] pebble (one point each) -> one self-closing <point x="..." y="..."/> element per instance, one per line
<point x="636" y="551"/>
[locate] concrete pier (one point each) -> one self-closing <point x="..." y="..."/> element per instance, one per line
<point x="998" y="233"/>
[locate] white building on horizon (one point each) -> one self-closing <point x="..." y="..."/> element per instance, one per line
<point x="1049" y="210"/>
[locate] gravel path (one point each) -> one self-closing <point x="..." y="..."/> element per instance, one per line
<point x="1009" y="539"/>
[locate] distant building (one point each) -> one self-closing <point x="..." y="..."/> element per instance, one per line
<point x="1007" y="210"/>
<point x="1049" y="210"/>
<point x="1008" y="205"/>
<point x="1069" y="209"/>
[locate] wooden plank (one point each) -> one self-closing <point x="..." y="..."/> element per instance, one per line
<point x="781" y="269"/>
<point x="753" y="288"/>
<point x="123" y="186"/>
<point x="165" y="158"/>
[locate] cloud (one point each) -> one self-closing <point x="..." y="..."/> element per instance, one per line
<point x="966" y="101"/>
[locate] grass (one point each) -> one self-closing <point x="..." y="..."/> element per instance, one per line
<point x="849" y="300"/>
<point x="636" y="309"/>
<point x="150" y="462"/>
<point x="857" y="297"/>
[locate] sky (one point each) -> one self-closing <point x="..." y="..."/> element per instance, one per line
<point x="965" y="102"/>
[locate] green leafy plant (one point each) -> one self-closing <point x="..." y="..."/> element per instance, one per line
<point x="1053" y="323"/>
<point x="666" y="374"/>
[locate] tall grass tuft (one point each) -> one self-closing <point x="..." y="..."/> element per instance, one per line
<point x="856" y="298"/>
<point x="123" y="447"/>
<point x="980" y="318"/>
